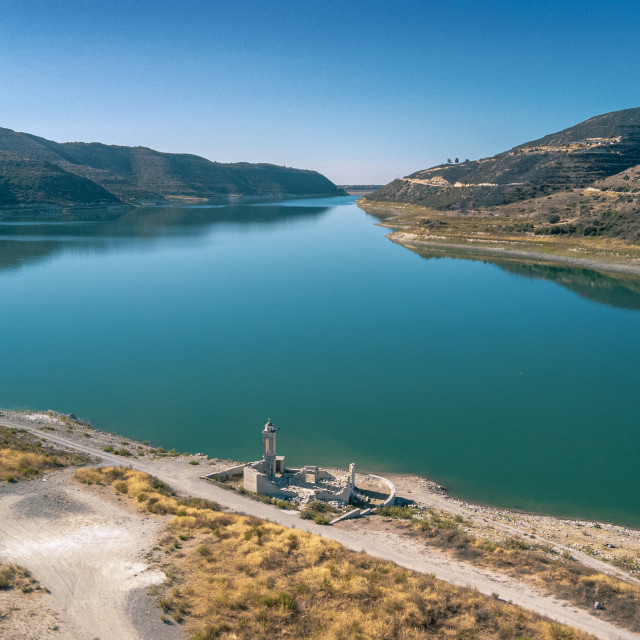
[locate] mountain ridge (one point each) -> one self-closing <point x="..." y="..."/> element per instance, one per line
<point x="34" y="170"/>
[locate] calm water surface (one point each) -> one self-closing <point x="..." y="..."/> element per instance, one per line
<point x="188" y="326"/>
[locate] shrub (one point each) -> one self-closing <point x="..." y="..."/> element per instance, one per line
<point x="315" y="508"/>
<point x="397" y="513"/>
<point x="515" y="543"/>
<point x="121" y="487"/>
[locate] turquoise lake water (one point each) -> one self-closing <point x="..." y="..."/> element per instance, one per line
<point x="187" y="326"/>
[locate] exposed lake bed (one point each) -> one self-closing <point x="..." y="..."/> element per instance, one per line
<point x="187" y="325"/>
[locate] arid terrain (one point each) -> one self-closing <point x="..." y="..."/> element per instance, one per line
<point x="570" y="197"/>
<point x="485" y="236"/>
<point x="94" y="555"/>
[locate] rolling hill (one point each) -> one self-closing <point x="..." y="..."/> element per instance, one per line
<point x="573" y="158"/>
<point x="582" y="181"/>
<point x="34" y="170"/>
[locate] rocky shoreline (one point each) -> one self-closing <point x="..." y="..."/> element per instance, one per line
<point x="603" y="546"/>
<point x="505" y="249"/>
<point x="125" y="536"/>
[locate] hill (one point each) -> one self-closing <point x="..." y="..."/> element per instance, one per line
<point x="34" y="170"/>
<point x="569" y="188"/>
<point x="575" y="157"/>
<point x="359" y="189"/>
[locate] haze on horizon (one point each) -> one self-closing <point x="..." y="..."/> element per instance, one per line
<point x="363" y="92"/>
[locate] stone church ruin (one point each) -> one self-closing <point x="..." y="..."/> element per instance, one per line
<point x="271" y="477"/>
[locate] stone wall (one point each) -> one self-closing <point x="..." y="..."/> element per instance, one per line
<point x="343" y="495"/>
<point x="389" y="502"/>
<point x="257" y="482"/>
<point x="226" y="473"/>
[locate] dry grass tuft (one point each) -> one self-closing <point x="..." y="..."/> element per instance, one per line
<point x="24" y="456"/>
<point x="232" y="576"/>
<point x="13" y="576"/>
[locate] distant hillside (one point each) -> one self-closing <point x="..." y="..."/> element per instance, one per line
<point x="573" y="158"/>
<point x="35" y="170"/>
<point x="359" y="189"/>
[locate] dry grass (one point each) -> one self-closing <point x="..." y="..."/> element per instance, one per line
<point x="150" y="494"/>
<point x="538" y="565"/>
<point x="24" y="456"/>
<point x="13" y="576"/>
<point x="233" y="576"/>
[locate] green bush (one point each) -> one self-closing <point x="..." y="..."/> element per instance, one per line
<point x="515" y="543"/>
<point x="315" y="508"/>
<point x="397" y="513"/>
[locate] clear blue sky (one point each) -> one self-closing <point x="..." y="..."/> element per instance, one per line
<point x="363" y="91"/>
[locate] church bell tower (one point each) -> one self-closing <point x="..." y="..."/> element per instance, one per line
<point x="269" y="448"/>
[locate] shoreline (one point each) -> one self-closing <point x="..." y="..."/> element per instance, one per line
<point x="217" y="463"/>
<point x="413" y="241"/>
<point x="599" y="544"/>
<point x="46" y="210"/>
<point x="382" y="536"/>
<point x="620" y="258"/>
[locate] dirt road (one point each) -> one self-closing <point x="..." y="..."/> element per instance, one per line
<point x="185" y="479"/>
<point x="86" y="549"/>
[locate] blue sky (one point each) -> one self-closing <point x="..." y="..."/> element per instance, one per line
<point x="363" y="91"/>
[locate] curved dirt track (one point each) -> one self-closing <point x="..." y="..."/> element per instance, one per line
<point x="87" y="551"/>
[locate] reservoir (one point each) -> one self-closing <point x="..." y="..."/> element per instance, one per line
<point x="511" y="384"/>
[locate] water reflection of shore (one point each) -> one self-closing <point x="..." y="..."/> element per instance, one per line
<point x="25" y="240"/>
<point x="621" y="291"/>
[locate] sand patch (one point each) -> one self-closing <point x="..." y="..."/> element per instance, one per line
<point x="88" y="552"/>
